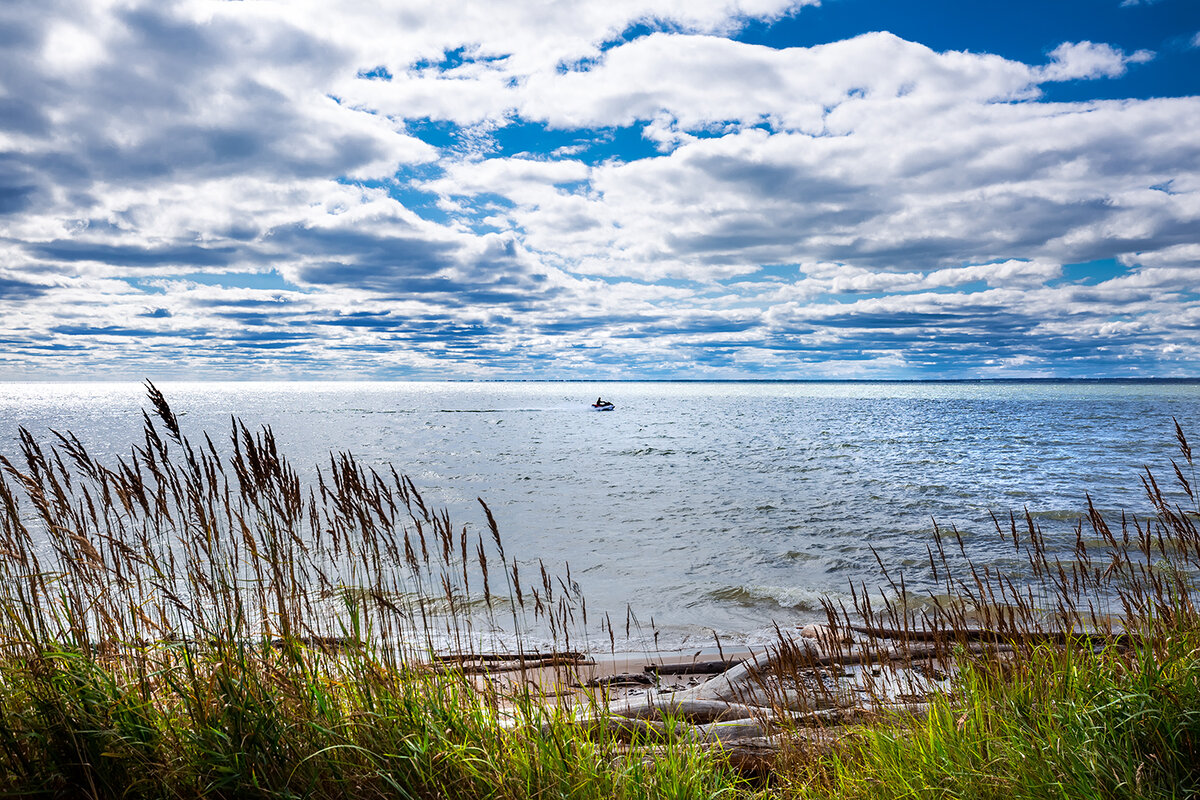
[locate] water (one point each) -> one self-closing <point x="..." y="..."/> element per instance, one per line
<point x="707" y="507"/>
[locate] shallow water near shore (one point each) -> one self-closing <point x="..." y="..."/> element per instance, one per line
<point x="709" y="509"/>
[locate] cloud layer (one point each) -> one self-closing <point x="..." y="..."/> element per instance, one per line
<point x="594" y="190"/>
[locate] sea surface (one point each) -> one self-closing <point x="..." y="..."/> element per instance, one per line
<point x="707" y="509"/>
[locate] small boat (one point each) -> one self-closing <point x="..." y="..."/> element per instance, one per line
<point x="602" y="405"/>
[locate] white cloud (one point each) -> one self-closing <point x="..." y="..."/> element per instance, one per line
<point x="1177" y="255"/>
<point x="692" y="82"/>
<point x="976" y="182"/>
<point x="186" y="176"/>
<point x="1008" y="274"/>
<point x="1086" y="60"/>
<point x="70" y="49"/>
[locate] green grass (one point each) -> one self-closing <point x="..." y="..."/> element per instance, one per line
<point x="274" y="724"/>
<point x="1068" y="725"/>
<point x="191" y="623"/>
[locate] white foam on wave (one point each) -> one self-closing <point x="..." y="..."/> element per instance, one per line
<point x="796" y="598"/>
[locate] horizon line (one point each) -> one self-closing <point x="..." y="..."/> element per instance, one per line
<point x="1194" y="379"/>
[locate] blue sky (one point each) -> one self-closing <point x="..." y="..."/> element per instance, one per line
<point x="628" y="189"/>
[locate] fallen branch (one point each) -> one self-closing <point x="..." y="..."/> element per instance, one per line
<point x="693" y="667"/>
<point x="461" y="658"/>
<point x="986" y="635"/>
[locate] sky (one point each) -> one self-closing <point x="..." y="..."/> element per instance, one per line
<point x="627" y="189"/>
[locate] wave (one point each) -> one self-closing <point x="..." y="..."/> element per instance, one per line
<point x="782" y="597"/>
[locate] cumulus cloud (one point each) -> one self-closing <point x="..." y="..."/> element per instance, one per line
<point x="696" y="81"/>
<point x="976" y="183"/>
<point x="1076" y="60"/>
<point x="579" y="189"/>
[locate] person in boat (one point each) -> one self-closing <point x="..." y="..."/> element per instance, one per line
<point x="600" y="402"/>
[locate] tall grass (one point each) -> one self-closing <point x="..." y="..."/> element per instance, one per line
<point x="191" y="621"/>
<point x="186" y="622"/>
<point x="1061" y="724"/>
<point x="1081" y="679"/>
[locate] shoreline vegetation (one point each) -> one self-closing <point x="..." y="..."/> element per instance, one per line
<point x="190" y="622"/>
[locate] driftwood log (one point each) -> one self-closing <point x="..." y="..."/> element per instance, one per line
<point x="693" y="667"/>
<point x="491" y="663"/>
<point x="986" y="635"/>
<point x="794" y="693"/>
<point x="694" y="710"/>
<point x="745" y="711"/>
<point x="622" y="679"/>
<point x="530" y="655"/>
